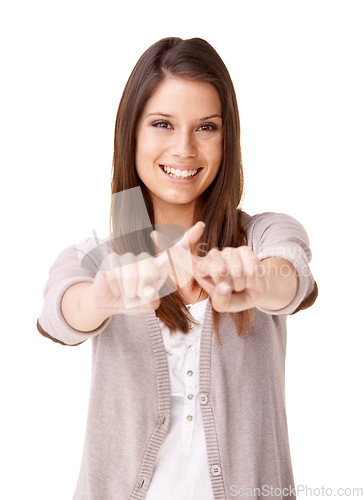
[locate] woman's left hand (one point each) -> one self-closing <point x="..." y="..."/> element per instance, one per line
<point x="234" y="278"/>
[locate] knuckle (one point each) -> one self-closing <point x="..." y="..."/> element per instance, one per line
<point x="244" y="250"/>
<point x="143" y="256"/>
<point x="214" y="252"/>
<point x="127" y="258"/>
<point x="250" y="272"/>
<point x="223" y="270"/>
<point x="237" y="270"/>
<point x="227" y="252"/>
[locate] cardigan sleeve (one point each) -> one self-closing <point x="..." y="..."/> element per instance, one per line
<point x="73" y="265"/>
<point x="273" y="234"/>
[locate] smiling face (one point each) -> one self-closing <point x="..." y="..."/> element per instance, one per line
<point x="179" y="145"/>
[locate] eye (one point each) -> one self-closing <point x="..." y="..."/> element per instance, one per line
<point x="161" y="124"/>
<point x="208" y="127"/>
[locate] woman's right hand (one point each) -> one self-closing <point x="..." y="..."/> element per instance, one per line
<point x="130" y="284"/>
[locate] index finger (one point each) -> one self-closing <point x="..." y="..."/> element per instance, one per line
<point x="179" y="254"/>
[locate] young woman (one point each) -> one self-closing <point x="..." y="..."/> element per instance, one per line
<point x="187" y="398"/>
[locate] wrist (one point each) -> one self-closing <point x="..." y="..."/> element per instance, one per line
<point x="87" y="306"/>
<point x="282" y="283"/>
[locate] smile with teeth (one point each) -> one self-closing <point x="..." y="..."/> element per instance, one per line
<point x="176" y="173"/>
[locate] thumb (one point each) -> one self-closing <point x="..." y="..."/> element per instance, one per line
<point x="182" y="256"/>
<point x="195" y="232"/>
<point x="192" y="235"/>
<point x="190" y="238"/>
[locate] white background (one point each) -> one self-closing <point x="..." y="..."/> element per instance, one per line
<point x="298" y="73"/>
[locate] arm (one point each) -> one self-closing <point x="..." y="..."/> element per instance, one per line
<point x="271" y="274"/>
<point x="78" y="303"/>
<point x="280" y="236"/>
<point x="77" y="310"/>
<point x="66" y="275"/>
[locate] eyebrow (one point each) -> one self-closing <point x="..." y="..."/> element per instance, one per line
<point x="157" y="113"/>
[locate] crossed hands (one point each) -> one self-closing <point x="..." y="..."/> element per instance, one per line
<point x="233" y="278"/>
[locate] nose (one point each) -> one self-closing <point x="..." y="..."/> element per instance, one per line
<point x="184" y="145"/>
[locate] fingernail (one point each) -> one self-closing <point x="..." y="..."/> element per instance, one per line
<point x="201" y="223"/>
<point x="148" y="292"/>
<point x="224" y="288"/>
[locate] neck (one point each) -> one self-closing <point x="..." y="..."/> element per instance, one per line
<point x="181" y="215"/>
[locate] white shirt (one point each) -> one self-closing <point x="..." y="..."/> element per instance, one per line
<point x="181" y="469"/>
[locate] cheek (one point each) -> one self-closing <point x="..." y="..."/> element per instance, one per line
<point x="148" y="147"/>
<point x="143" y="152"/>
<point x="214" y="152"/>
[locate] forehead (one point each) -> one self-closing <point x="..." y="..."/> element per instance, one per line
<point x="181" y="94"/>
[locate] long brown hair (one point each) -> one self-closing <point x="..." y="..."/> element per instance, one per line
<point x="217" y="206"/>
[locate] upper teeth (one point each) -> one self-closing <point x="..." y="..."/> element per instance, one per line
<point x="179" y="173"/>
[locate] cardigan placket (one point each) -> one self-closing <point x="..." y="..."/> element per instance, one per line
<point x="163" y="388"/>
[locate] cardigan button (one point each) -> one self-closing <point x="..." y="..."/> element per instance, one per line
<point x="215" y="470"/>
<point x="204" y="399"/>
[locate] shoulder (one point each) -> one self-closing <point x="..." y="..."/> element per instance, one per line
<point x="256" y="226"/>
<point x="273" y="230"/>
<point x="267" y="219"/>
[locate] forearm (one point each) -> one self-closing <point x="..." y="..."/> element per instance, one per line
<point x="77" y="311"/>
<point x="282" y="281"/>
